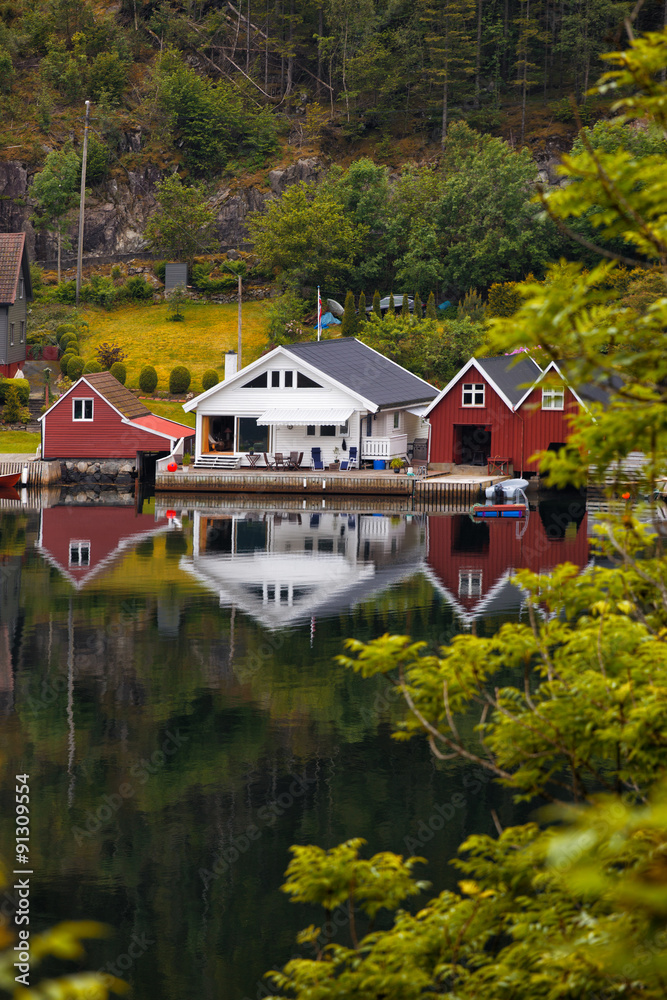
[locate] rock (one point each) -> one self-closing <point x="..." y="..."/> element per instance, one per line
<point x="109" y="468"/>
<point x="82" y="467"/>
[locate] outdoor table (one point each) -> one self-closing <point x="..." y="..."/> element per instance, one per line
<point x="253" y="459"/>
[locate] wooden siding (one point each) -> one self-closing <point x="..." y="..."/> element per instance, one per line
<point x="515" y="436"/>
<point x="106" y="436"/>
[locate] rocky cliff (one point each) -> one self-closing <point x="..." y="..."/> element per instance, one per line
<point x="117" y="209"/>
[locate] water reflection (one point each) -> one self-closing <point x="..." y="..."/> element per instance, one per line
<point x="122" y="628"/>
<point x="283" y="567"/>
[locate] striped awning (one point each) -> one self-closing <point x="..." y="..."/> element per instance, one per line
<point x="285" y="417"/>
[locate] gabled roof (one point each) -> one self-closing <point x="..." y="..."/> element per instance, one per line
<point x="508" y="375"/>
<point x="12" y="252"/>
<point x="115" y="393"/>
<point x="364" y="370"/>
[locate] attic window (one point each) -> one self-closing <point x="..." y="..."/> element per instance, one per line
<point x="79" y="553"/>
<point x="553" y="399"/>
<point x="260" y="382"/>
<point x="473" y="394"/>
<point x="303" y="382"/>
<point x="82" y="409"/>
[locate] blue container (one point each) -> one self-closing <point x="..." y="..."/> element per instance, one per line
<point x="379" y="463"/>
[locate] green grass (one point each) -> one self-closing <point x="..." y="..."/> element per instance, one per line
<point x="18" y="442"/>
<point x="170" y="409"/>
<point x="199" y="342"/>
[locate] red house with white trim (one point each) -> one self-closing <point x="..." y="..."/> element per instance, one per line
<point x="98" y="418"/>
<point x="503" y="409"/>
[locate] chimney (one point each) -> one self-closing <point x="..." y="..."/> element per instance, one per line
<point x="230" y="364"/>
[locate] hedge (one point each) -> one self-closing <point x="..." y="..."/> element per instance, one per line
<point x="75" y="367"/>
<point x="21" y="384"/>
<point x="92" y="368"/>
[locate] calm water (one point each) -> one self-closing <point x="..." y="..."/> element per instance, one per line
<point x="167" y="679"/>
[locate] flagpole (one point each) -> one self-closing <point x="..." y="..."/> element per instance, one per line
<point x="319" y="314"/>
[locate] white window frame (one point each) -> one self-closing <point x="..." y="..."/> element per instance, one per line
<point x="78" y="546"/>
<point x="276" y="371"/>
<point x="553" y="399"/>
<point x="473" y="389"/>
<point x="83" y="400"/>
<point x="466" y="579"/>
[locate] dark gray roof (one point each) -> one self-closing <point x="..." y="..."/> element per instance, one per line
<point x="511" y="376"/>
<point x="363" y="370"/>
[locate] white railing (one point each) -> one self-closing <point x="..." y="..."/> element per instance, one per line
<point x="384" y="447"/>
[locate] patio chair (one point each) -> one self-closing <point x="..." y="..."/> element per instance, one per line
<point x="267" y="461"/>
<point x="345" y="465"/>
<point x="294" y="461"/>
<point x="352" y="462"/>
<point x="280" y="462"/>
<point x="316" y="459"/>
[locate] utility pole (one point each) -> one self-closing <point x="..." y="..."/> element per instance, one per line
<point x="240" y="363"/>
<point x="82" y="201"/>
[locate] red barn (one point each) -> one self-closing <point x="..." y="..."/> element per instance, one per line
<point x="84" y="542"/>
<point x="98" y="418"/>
<point x="473" y="564"/>
<point x="501" y="408"/>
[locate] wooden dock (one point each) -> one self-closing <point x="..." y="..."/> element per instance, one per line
<point x="417" y="494"/>
<point x="39" y="473"/>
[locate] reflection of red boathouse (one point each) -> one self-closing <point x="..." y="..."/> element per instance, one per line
<point x="83" y="541"/>
<point x="472" y="564"/>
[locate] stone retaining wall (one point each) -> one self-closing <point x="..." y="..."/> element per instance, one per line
<point x="88" y="472"/>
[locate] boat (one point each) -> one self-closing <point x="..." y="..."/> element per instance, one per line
<point x="10" y="480"/>
<point x="499" y="510"/>
<point x="508" y="486"/>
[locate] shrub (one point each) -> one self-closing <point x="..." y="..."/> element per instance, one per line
<point x="13" y="411"/>
<point x="64" y="328"/>
<point x="175" y="300"/>
<point x="67" y="337"/>
<point x="65" y="292"/>
<point x="108" y="76"/>
<point x="65" y="360"/>
<point x="138" y="289"/>
<point x="209" y="379"/>
<point x="75" y="367"/>
<point x="361" y="317"/>
<point x="107" y="355"/>
<point x="100" y="290"/>
<point x="504" y="299"/>
<point x="119" y="371"/>
<point x="148" y="379"/>
<point x="471" y="305"/>
<point x="179" y="379"/>
<point x="431" y="311"/>
<point x="21" y="385"/>
<point x="159" y="270"/>
<point x="91" y="368"/>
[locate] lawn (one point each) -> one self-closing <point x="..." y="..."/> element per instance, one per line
<point x="170" y="409"/>
<point x="18" y="442"/>
<point x="199" y="342"/>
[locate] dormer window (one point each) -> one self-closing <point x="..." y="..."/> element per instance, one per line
<point x="473" y="394"/>
<point x="553" y="399"/>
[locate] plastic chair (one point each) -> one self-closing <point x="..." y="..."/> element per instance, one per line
<point x="316" y="459"/>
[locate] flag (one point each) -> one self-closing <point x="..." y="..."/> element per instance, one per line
<point x="319" y="314"/>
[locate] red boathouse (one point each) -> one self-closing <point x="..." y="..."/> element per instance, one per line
<point x="98" y="418"/>
<point x="501" y="410"/>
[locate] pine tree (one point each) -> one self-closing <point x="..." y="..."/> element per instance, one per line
<point x="449" y="38"/>
<point x="431" y="311"/>
<point x="376" y="304"/>
<point x="405" y="308"/>
<point x="417" y="310"/>
<point x="472" y="305"/>
<point x="350" y="323"/>
<point x="391" y="311"/>
<point x="361" y="318"/>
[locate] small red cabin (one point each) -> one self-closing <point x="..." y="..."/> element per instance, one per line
<point x="501" y="410"/>
<point x="98" y="418"/>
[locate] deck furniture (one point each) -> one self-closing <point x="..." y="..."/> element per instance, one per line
<point x="253" y="459"/>
<point x="352" y="462"/>
<point x="280" y="462"/>
<point x="345" y="465"/>
<point x="316" y="459"/>
<point x="267" y="462"/>
<point x="295" y="460"/>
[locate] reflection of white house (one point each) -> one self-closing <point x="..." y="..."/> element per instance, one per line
<point x="281" y="568"/>
<point x="328" y="394"/>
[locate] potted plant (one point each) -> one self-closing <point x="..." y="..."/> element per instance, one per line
<point x="336" y="461"/>
<point x="396" y="464"/>
<point x="187" y="458"/>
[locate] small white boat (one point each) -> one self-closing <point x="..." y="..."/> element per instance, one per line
<point x="508" y="486"/>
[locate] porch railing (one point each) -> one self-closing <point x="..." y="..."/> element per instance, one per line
<point x="384" y="447"/>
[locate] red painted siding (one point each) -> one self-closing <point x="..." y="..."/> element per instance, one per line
<point x="106" y="436"/>
<point x="495" y="414"/>
<point x="448" y="554"/>
<point x="514" y="435"/>
<point x="102" y="528"/>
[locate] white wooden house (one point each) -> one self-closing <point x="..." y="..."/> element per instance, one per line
<point x="328" y="394"/>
